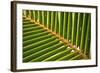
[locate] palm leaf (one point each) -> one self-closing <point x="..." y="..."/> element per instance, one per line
<point x="55" y="36"/>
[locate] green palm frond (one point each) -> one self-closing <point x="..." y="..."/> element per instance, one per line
<point x="56" y="36"/>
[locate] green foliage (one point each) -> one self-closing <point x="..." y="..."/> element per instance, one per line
<point x="41" y="45"/>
